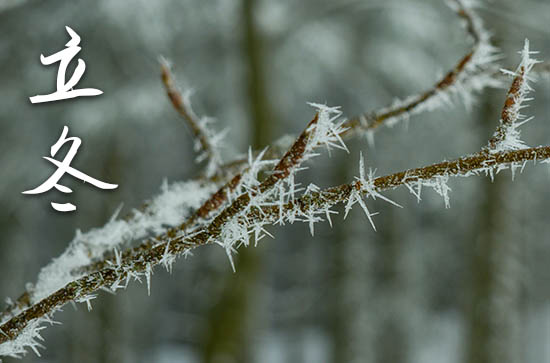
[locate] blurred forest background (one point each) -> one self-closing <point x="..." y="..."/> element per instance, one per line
<point x="465" y="284"/>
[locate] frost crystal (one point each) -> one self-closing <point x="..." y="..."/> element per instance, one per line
<point x="326" y="131"/>
<point x="28" y="338"/>
<point x="365" y="185"/>
<point x="439" y="185"/>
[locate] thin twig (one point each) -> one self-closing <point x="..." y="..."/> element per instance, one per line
<point x="183" y="106"/>
<point x="372" y="120"/>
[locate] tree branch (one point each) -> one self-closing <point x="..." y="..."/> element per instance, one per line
<point x="312" y="203"/>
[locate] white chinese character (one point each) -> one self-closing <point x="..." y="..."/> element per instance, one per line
<point x="65" y="167"/>
<point x="65" y="89"/>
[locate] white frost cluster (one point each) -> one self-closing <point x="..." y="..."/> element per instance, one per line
<point x="325" y="132"/>
<point x="366" y="187"/>
<point x="439" y="185"/>
<point x="28" y="338"/>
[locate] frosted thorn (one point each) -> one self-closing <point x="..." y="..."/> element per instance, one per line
<point x="148" y="272"/>
<point x="118" y="258"/>
<point x="328" y="212"/>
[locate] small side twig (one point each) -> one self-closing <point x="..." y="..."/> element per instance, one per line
<point x="206" y="139"/>
<point x="470" y="71"/>
<point x="507" y="135"/>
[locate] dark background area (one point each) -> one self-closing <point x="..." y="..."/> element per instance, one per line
<point x="418" y="290"/>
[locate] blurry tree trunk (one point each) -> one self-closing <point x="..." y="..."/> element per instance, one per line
<point x="112" y="319"/>
<point x="493" y="309"/>
<point x="390" y="342"/>
<point x="342" y="310"/>
<point x="95" y="343"/>
<point x="229" y="322"/>
<point x="367" y="321"/>
<point x="259" y="107"/>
